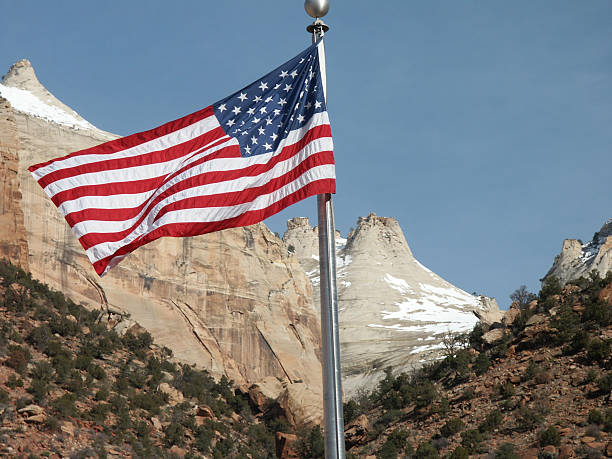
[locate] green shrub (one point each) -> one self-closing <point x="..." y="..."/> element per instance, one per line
<point x="452" y="427"/>
<point x="39" y="390"/>
<point x="14" y="381"/>
<point x="426" y="451"/>
<point x="351" y="411"/>
<point x="605" y="383"/>
<point x="18" y="358"/>
<point x="598" y="351"/>
<point x="64" y="406"/>
<point x="598" y="311"/>
<point x="596" y="417"/>
<point x="506" y="451"/>
<point x="491" y="422"/>
<point x="506" y="390"/>
<point x="4" y="396"/>
<point x="481" y="364"/>
<point x="527" y="419"/>
<point x="173" y="434"/>
<point x="459" y="453"/>
<point x="550" y="436"/>
<point x="590" y="377"/>
<point x="472" y="440"/>
<point x="312" y="445"/>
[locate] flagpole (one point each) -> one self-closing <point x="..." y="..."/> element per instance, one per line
<point x="332" y="373"/>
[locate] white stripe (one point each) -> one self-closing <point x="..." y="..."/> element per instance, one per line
<point x="160" y="143"/>
<point x="239" y="184"/>
<point x="216" y="165"/>
<point x="128" y="174"/>
<point x="213" y="214"/>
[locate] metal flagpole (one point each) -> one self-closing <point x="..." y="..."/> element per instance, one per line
<point x="332" y="375"/>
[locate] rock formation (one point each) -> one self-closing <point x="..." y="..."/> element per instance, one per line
<point x="577" y="259"/>
<point x="233" y="302"/>
<point x="392" y="310"/>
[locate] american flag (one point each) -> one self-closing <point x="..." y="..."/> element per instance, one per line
<point x="231" y="164"/>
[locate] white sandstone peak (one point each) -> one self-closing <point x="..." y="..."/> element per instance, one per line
<point x="26" y="94"/>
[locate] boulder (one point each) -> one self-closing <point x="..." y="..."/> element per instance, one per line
<point x="286" y="445"/>
<point x="493" y="336"/>
<point x="356" y="431"/>
<point x="174" y="395"/>
<point x="265" y="390"/>
<point x="31" y="410"/>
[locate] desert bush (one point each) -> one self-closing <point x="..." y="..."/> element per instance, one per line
<point x="481" y="364"/>
<point x="173" y="434"/>
<point x="18" y="358"/>
<point x="311" y="445"/>
<point x="506" y="390"/>
<point x="472" y="440"/>
<point x="426" y="451"/>
<point x="522" y="296"/>
<point x="14" y="381"/>
<point x="452" y="427"/>
<point x="459" y="453"/>
<point x="506" y="451"/>
<point x="527" y="419"/>
<point x="599" y="312"/>
<point x="550" y="436"/>
<point x="598" y="351"/>
<point x="351" y="411"/>
<point x="605" y="383"/>
<point x="64" y="405"/>
<point x="491" y="422"/>
<point x="4" y="396"/>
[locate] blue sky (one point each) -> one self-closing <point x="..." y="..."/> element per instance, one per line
<point x="485" y="128"/>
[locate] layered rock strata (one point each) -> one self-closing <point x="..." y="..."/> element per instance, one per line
<point x="233" y="302"/>
<point x="577" y="259"/>
<point x="393" y="311"/>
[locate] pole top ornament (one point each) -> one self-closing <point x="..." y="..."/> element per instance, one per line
<point x="316" y="8"/>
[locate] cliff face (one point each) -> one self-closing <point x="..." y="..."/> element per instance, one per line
<point x="577" y="259"/>
<point x="392" y="310"/>
<point x="233" y="302"/>
<point x="13" y="243"/>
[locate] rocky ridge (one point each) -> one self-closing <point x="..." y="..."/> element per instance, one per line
<point x="393" y="311"/>
<point x="233" y="302"/>
<point x="536" y="385"/>
<point x="577" y="259"/>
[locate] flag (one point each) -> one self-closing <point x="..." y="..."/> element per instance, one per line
<point x="231" y="164"/>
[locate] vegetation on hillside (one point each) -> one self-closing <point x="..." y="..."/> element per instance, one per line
<point x="541" y="384"/>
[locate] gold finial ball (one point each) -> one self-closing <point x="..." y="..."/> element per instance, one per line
<point x="316" y="8"/>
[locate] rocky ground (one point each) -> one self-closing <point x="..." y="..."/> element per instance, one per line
<point x="536" y="385"/>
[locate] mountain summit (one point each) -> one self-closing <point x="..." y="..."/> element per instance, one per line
<point x="393" y="311"/>
<point x="577" y="259"/>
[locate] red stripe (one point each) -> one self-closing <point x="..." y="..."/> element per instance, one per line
<point x="245" y="219"/>
<point x="136" y="186"/>
<point x="133" y="140"/>
<point x="198" y="180"/>
<point x="217" y="200"/>
<point x="153" y="157"/>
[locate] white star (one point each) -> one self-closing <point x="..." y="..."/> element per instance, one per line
<point x="250" y="111"/>
<point x="283" y="74"/>
<point x="261" y="130"/>
<point x="300" y="118"/>
<point x="301" y="60"/>
<point x="230" y="123"/>
<point x="242" y="96"/>
<point x="267" y="146"/>
<point x="263" y="86"/>
<point x="291" y="119"/>
<point x="242" y="123"/>
<point x="308" y="104"/>
<point x="236" y="110"/>
<point x="256" y="120"/>
<point x="276" y="112"/>
<point x="247" y="149"/>
<point x="256" y="99"/>
<point x="268" y="121"/>
<point x="268" y="99"/>
<point x="254" y="140"/>
<point x="244" y="132"/>
<point x="317" y="104"/>
<point x="293" y="74"/>
<point x="287" y="87"/>
<point x="302" y="94"/>
<point x="263" y="110"/>
<point x="276" y="86"/>
<point x="222" y="108"/>
<point x="297" y="106"/>
<point x="273" y="136"/>
<point x="282" y="102"/>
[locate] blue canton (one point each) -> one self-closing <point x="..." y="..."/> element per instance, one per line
<point x="261" y="115"/>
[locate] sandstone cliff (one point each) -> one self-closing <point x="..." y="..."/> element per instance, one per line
<point x="392" y="310"/>
<point x="233" y="302"/>
<point x="577" y="259"/>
